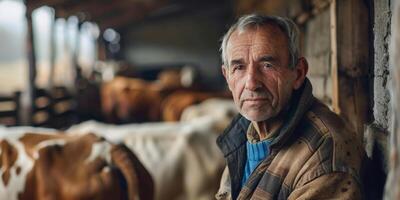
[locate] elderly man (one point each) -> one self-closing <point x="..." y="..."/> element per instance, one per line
<point x="285" y="144"/>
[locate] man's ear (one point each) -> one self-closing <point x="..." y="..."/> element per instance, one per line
<point x="224" y="72"/>
<point x="301" y="72"/>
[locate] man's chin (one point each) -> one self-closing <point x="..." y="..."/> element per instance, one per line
<point x="256" y="117"/>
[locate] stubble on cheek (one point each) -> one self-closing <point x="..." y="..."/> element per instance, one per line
<point x="241" y="102"/>
<point x="274" y="102"/>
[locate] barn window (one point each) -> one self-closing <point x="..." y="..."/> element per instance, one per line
<point x="13" y="60"/>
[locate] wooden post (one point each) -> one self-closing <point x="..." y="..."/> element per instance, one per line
<point x="32" y="69"/>
<point x="334" y="64"/>
<point x="76" y="53"/>
<point x="354" y="63"/>
<point x="102" y="55"/>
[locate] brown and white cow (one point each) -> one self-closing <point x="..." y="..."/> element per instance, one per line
<point x="221" y="109"/>
<point x="130" y="100"/>
<point x="174" y="105"/>
<point x="59" y="166"/>
<point x="126" y="99"/>
<point x="182" y="157"/>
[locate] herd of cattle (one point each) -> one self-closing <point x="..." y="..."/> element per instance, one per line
<point x="136" y="100"/>
<point x="178" y="159"/>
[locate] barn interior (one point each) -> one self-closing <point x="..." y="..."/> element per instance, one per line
<point x="144" y="67"/>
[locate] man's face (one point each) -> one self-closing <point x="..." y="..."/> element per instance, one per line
<point x="258" y="74"/>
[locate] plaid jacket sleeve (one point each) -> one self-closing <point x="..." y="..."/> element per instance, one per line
<point x="338" y="185"/>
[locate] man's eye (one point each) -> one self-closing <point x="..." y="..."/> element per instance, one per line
<point x="266" y="65"/>
<point x="237" y="67"/>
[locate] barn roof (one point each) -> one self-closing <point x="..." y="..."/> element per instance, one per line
<point x="118" y="13"/>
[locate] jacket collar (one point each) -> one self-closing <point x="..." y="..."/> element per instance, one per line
<point x="234" y="135"/>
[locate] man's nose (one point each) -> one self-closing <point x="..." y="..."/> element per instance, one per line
<point x="252" y="79"/>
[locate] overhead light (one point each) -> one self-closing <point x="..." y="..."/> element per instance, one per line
<point x="110" y="35"/>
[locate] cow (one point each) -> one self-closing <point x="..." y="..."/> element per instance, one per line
<point x="182" y="157"/>
<point x="170" y="80"/>
<point x="173" y="79"/>
<point x="125" y="99"/>
<point x="51" y="165"/>
<point x="131" y="100"/>
<point x="223" y="110"/>
<point x="173" y="106"/>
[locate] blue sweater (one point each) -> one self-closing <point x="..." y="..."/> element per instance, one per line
<point x="256" y="152"/>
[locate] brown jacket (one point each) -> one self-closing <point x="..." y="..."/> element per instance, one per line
<point x="313" y="157"/>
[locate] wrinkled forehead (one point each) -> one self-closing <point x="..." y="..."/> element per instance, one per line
<point x="267" y="34"/>
<point x="268" y="39"/>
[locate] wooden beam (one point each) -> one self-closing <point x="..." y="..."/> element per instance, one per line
<point x="180" y="10"/>
<point x="93" y="9"/>
<point x="110" y="14"/>
<point x="32" y="4"/>
<point x="126" y="16"/>
<point x="354" y="63"/>
<point x="334" y="64"/>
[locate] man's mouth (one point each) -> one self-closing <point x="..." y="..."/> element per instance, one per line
<point x="256" y="99"/>
<point x="255" y="102"/>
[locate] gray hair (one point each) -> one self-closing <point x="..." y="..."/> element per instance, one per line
<point x="256" y="20"/>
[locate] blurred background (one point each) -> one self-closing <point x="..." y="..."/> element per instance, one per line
<point x="64" y="62"/>
<point x="74" y="47"/>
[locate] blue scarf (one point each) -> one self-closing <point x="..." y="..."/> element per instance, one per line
<point x="256" y="152"/>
